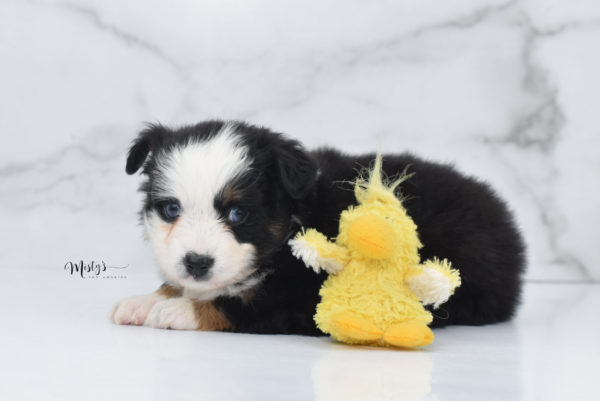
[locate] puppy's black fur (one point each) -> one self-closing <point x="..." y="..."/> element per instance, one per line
<point x="458" y="218"/>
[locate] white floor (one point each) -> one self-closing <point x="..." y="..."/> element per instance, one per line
<point x="56" y="344"/>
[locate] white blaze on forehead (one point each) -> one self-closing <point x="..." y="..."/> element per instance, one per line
<point x="196" y="172"/>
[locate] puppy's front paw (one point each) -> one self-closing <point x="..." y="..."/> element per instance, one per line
<point x="133" y="310"/>
<point x="173" y="313"/>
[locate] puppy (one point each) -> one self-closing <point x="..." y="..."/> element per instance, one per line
<point x="222" y="199"/>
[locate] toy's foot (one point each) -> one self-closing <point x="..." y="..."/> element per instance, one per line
<point x="355" y="327"/>
<point x="409" y="335"/>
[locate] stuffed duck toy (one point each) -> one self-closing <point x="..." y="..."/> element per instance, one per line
<point x="377" y="285"/>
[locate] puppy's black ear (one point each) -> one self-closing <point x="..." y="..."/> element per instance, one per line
<point x="297" y="170"/>
<point x="146" y="141"/>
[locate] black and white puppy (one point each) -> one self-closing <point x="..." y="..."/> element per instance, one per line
<point x="222" y="199"/>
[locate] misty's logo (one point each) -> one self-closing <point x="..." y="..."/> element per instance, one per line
<point x="94" y="269"/>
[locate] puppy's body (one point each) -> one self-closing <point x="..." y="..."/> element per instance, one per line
<point x="254" y="284"/>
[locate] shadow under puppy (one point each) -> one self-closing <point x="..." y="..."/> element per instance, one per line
<point x="223" y="198"/>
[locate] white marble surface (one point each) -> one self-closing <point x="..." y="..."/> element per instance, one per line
<point x="508" y="90"/>
<point x="59" y="345"/>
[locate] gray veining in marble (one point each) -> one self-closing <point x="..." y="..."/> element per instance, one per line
<point x="508" y="91"/>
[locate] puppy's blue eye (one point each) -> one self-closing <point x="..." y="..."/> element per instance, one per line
<point x="172" y="210"/>
<point x="236" y="215"/>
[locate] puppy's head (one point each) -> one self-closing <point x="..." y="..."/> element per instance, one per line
<point x="219" y="201"/>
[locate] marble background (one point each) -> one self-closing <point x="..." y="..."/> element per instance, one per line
<point x="507" y="90"/>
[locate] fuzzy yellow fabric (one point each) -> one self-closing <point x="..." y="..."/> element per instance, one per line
<point x="378" y="248"/>
<point x="372" y="236"/>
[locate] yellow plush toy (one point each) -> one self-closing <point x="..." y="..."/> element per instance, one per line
<point x="377" y="286"/>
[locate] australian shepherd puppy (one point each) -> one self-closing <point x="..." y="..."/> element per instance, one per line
<point x="222" y="200"/>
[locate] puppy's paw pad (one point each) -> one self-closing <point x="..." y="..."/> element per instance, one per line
<point x="133" y="310"/>
<point x="174" y="313"/>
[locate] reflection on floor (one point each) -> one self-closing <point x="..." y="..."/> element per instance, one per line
<point x="57" y="345"/>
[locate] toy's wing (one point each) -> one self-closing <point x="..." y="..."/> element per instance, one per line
<point x="433" y="281"/>
<point x="317" y="252"/>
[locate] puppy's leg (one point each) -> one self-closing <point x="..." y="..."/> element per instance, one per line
<point x="210" y="318"/>
<point x="183" y="313"/>
<point x="135" y="310"/>
<point x="166" y="308"/>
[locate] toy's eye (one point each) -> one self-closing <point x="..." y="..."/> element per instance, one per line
<point x="236" y="215"/>
<point x="171" y="210"/>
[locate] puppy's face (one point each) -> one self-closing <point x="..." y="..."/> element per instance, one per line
<point x="219" y="198"/>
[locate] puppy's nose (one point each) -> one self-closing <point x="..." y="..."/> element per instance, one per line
<point x="198" y="265"/>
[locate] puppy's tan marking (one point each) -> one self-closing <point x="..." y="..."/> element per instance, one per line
<point x="231" y="195"/>
<point x="207" y="315"/>
<point x="209" y="318"/>
<point x="168" y="291"/>
<point x="169" y="229"/>
<point x="276" y="229"/>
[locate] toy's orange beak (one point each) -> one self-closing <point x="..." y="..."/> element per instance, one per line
<point x="372" y="236"/>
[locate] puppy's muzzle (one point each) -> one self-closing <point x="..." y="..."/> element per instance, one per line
<point x="198" y="266"/>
